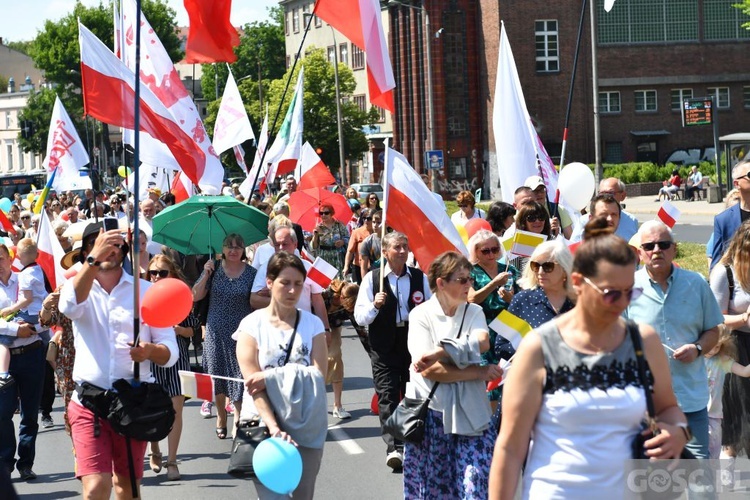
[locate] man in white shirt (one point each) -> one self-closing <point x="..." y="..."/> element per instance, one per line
<point x="99" y="301"/>
<point x="694" y="183"/>
<point x="27" y="368"/>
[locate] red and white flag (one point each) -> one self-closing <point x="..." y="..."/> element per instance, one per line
<point x="247" y="185"/>
<point x="239" y="155"/>
<point x="306" y="255"/>
<point x="50" y="252"/>
<point x="65" y="151"/>
<point x="182" y="188"/>
<point x="232" y="124"/>
<point x="160" y="76"/>
<point x="668" y="213"/>
<point x="285" y="150"/>
<point x="312" y="172"/>
<point x="360" y="22"/>
<point x="411" y="208"/>
<point x="321" y="272"/>
<point x="109" y="96"/>
<point x="197" y="385"/>
<point x="212" y="37"/>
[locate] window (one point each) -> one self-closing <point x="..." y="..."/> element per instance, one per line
<point x="646" y="21"/>
<point x="645" y="100"/>
<point x="358" y="57"/>
<point x="10" y="157"/>
<point x="547" y="56"/>
<point x="721" y="96"/>
<point x="613" y="152"/>
<point x="344" y="53"/>
<point x="723" y="21"/>
<point x="456" y="74"/>
<point x="288" y="62"/>
<point x="457" y="168"/>
<point x="361" y="102"/>
<point x="677" y="96"/>
<point x="746" y="97"/>
<point x="331" y="54"/>
<point x="295" y="20"/>
<point x="318" y="22"/>
<point x="7" y="120"/>
<point x="609" y="102"/>
<point x="286" y="23"/>
<point x="381" y="114"/>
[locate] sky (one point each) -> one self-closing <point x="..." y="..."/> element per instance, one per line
<point x="17" y="23"/>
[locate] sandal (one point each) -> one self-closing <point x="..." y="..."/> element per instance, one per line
<point x="155" y="462"/>
<point x="221" y="432"/>
<point x="173" y="473"/>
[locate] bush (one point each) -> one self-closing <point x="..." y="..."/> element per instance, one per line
<point x="638" y="172"/>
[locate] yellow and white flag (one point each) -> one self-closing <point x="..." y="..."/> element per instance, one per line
<point x="523" y="243"/>
<point x="510" y="327"/>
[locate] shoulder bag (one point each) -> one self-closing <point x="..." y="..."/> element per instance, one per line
<point x="250" y="433"/>
<point x="407" y="422"/>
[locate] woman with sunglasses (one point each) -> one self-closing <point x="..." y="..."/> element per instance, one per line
<point x="55" y="209"/>
<point x="453" y="459"/>
<point x="495" y="283"/>
<point x="330" y="238"/>
<point x="531" y="217"/>
<point x="372" y="202"/>
<point x="547" y="287"/>
<point x="159" y="268"/>
<point x="575" y="387"/>
<point x="466" y="209"/>
<point x="227" y="284"/>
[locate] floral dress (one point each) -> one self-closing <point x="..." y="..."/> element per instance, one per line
<point x="327" y="238"/>
<point x="66" y="354"/>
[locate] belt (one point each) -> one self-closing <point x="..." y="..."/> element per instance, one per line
<point x="328" y="247"/>
<point x="402" y="324"/>
<point x="26" y="348"/>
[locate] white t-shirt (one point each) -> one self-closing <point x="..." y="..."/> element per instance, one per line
<point x="32" y="278"/>
<point x="272" y="344"/>
<point x="309" y="287"/>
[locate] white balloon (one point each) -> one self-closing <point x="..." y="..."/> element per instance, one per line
<point x="576" y="184"/>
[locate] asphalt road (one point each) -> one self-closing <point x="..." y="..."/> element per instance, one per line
<point x="353" y="463"/>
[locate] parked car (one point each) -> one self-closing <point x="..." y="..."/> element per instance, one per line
<point x="364" y="189"/>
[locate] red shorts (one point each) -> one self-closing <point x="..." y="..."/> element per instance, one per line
<point x="103" y="454"/>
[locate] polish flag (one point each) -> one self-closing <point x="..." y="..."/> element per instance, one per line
<point x="360" y="22"/>
<point x="232" y="124"/>
<point x="50" y="252"/>
<point x="321" y="273"/>
<point x="109" y="96"/>
<point x="5" y="223"/>
<point x="160" y="76"/>
<point x="196" y="385"/>
<point x="306" y="255"/>
<point x="285" y="150"/>
<point x="65" y="151"/>
<point x="668" y="213"/>
<point x="411" y="208"/>
<point x="312" y="171"/>
<point x="212" y="37"/>
<point x="246" y="187"/>
<point x="182" y="188"/>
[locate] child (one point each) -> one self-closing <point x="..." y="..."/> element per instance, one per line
<point x="719" y="362"/>
<point x="31" y="293"/>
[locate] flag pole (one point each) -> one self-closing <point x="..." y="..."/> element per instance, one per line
<point x="572" y="82"/>
<point x="283" y="95"/>
<point x="386" y="187"/>
<point x="135" y="240"/>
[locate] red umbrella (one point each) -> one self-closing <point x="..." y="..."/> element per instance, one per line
<point x="305" y="204"/>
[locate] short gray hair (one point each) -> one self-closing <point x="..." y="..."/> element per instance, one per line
<point x="655" y="224"/>
<point x="738" y="168"/>
<point x="292" y="233"/>
<point x="281" y="207"/>
<point x="392" y="238"/>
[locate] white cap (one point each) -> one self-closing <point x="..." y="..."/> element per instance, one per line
<point x="533" y="182"/>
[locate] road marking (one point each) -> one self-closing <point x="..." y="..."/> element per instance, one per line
<point x="342" y="438"/>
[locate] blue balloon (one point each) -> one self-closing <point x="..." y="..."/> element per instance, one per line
<point x="278" y="465"/>
<point x="5" y="205"/>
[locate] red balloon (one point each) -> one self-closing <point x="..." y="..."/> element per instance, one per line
<point x="474" y="225"/>
<point x="166" y="303"/>
<point x="374" y="404"/>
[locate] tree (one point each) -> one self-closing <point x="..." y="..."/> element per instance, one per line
<point x="56" y="52"/>
<point x="3" y="84"/>
<point x="744" y="6"/>
<point x="23" y="46"/>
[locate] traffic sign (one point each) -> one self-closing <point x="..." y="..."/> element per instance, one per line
<point x="434" y="159"/>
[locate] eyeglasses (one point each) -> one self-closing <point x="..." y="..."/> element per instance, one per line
<point x="325" y="213"/>
<point x="463" y="206"/>
<point x="490" y="250"/>
<point x="612" y="296"/>
<point x="610" y="192"/>
<point x="535" y="218"/>
<point x="663" y="245"/>
<point x="162" y="273"/>
<point x="233" y="247"/>
<point x="547" y="267"/>
<point x="746" y="177"/>
<point x="462" y="280"/>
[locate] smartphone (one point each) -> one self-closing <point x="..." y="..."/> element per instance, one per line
<point x="110" y="223"/>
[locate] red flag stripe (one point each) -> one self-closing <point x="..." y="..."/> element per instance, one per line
<point x="317" y="176"/>
<point x="6" y="224"/>
<point x="212" y="37"/>
<point x="204" y="387"/>
<point x="318" y="277"/>
<point x="667" y="219"/>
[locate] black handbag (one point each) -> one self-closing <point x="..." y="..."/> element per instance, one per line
<point x="250" y="433"/>
<point x="407" y="422"/>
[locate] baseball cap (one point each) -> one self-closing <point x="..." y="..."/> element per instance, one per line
<point x="533" y="182"/>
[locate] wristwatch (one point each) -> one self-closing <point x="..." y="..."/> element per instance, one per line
<point x="686" y="429"/>
<point x="699" y="347"/>
<point x="90" y="260"/>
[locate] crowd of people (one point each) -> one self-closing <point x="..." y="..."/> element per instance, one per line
<point x="562" y="423"/>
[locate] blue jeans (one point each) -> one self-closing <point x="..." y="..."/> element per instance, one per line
<point x="28" y="370"/>
<point x="698" y="422"/>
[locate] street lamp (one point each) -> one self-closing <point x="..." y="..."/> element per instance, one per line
<point x="430" y="95"/>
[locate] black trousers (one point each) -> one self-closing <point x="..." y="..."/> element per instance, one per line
<point x="390" y="372"/>
<point x="48" y="390"/>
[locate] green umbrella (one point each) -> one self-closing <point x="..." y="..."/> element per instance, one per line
<point x="199" y="224"/>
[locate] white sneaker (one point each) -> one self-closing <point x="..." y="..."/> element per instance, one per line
<point x="395" y="460"/>
<point x="206" y="409"/>
<point x="341" y="413"/>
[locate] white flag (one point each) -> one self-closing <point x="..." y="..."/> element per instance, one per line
<point x="285" y="151"/>
<point x="515" y="137"/>
<point x="65" y="151"/>
<point x="232" y="124"/>
<point x="247" y="184"/>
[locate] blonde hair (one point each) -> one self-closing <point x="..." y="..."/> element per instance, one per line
<point x="557" y="251"/>
<point x="480" y="237"/>
<point x="726" y="344"/>
<point x="736" y="255"/>
<point x="26" y="246"/>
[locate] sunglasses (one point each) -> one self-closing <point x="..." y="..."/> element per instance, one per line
<point x="325" y="213"/>
<point x="547" y="267"/>
<point x="24" y="217"/>
<point x="462" y="281"/>
<point x="162" y="273"/>
<point x="663" y="245"/>
<point x="746" y="176"/>
<point x="463" y="206"/>
<point x="535" y="218"/>
<point x="490" y="250"/>
<point x="612" y="296"/>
